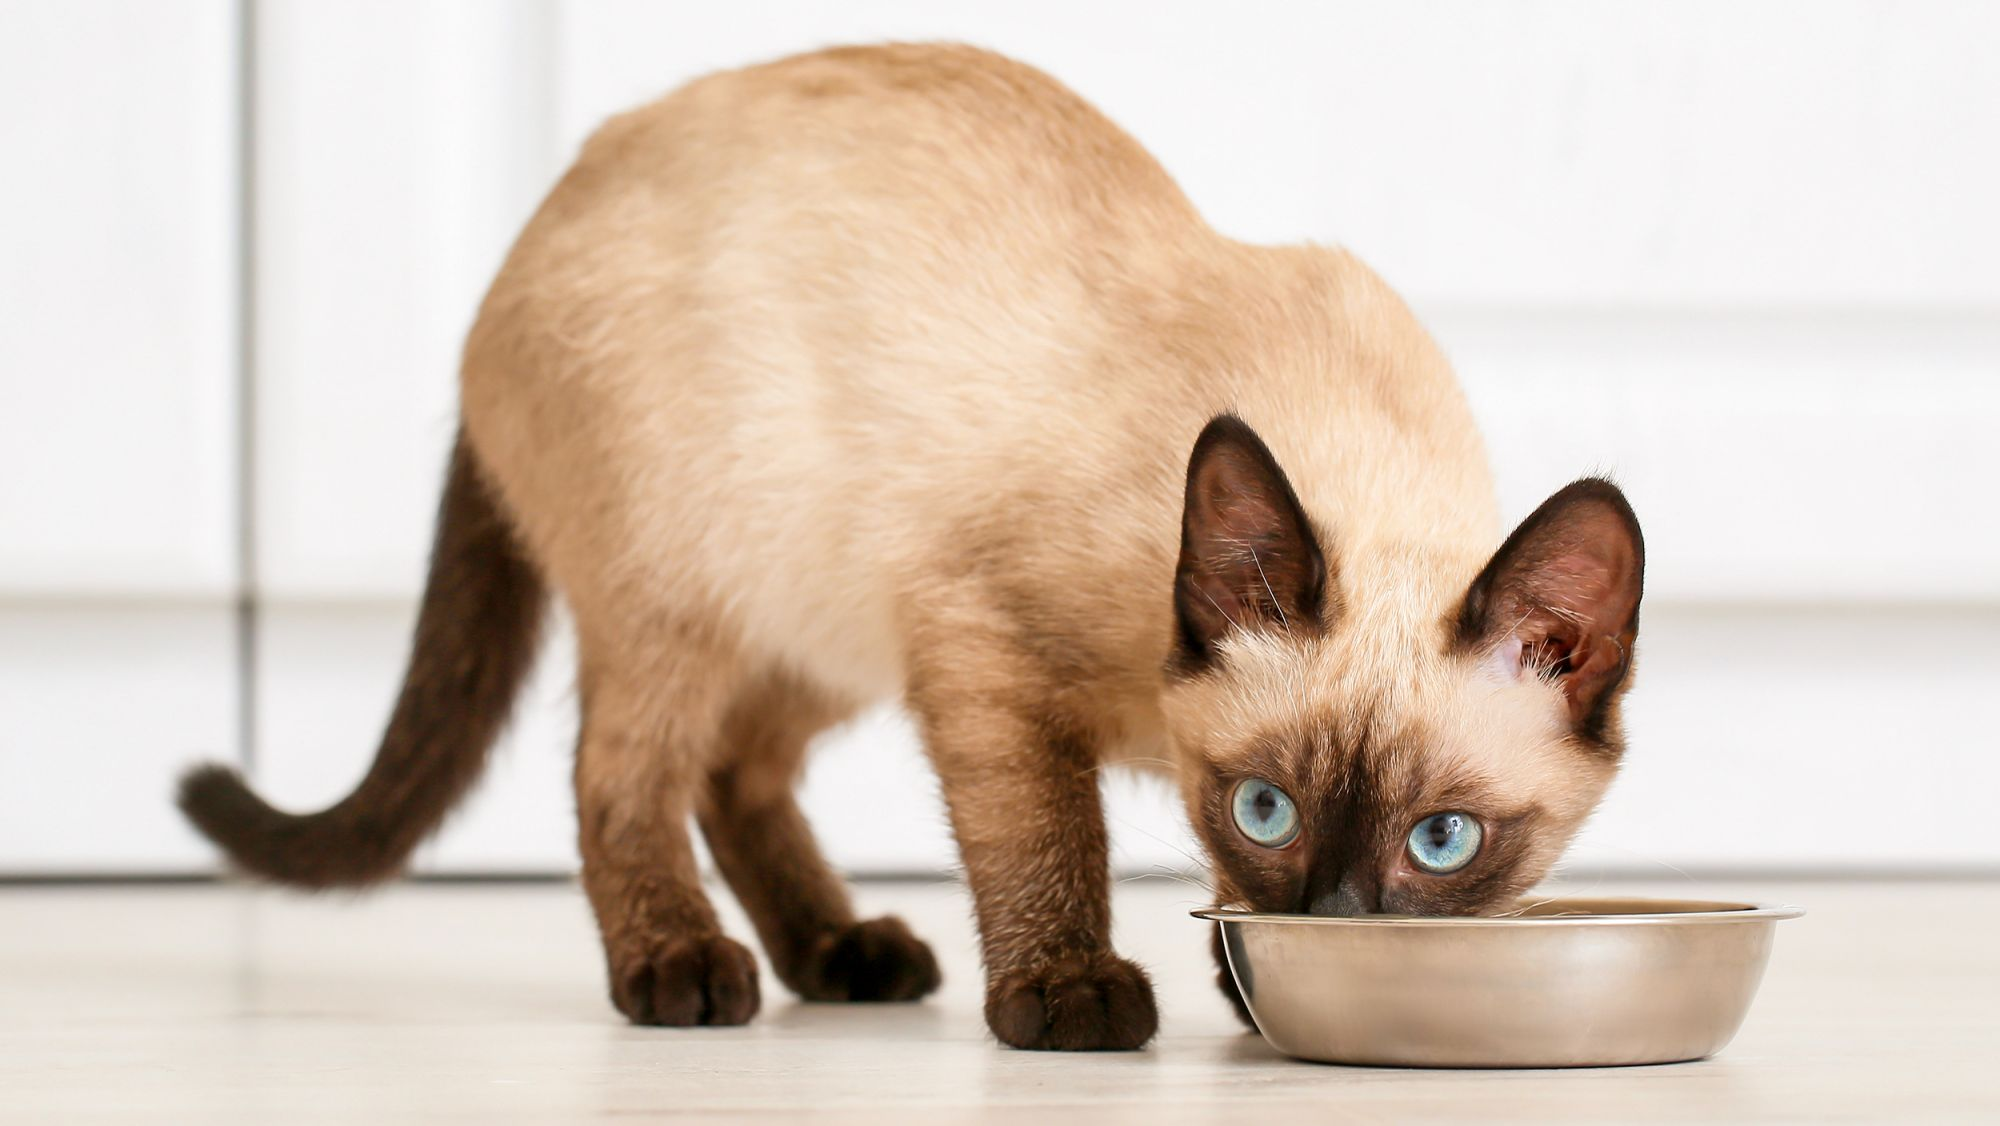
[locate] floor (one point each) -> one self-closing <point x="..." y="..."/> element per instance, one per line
<point x="483" y="1003"/>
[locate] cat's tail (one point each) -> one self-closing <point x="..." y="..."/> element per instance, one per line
<point x="476" y="638"/>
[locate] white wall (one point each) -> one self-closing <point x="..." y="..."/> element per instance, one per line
<point x="1739" y="255"/>
<point x="118" y="380"/>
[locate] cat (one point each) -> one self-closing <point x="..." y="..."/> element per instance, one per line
<point x="898" y="372"/>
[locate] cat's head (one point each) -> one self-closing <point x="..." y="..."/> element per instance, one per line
<point x="1414" y="748"/>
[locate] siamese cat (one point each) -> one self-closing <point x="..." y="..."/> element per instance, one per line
<point x="900" y="372"/>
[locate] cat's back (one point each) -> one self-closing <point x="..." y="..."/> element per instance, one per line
<point x="751" y="305"/>
<point x="856" y="234"/>
<point x="953" y="145"/>
<point x="943" y="119"/>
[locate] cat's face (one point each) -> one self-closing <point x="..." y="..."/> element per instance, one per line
<point x="1407" y="750"/>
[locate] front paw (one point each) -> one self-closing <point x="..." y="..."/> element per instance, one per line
<point x="703" y="980"/>
<point x="1087" y="1003"/>
<point x="876" y="960"/>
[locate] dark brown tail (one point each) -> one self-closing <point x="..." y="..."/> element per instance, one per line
<point x="475" y="643"/>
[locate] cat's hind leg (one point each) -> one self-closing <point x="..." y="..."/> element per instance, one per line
<point x="653" y="703"/>
<point x="765" y="849"/>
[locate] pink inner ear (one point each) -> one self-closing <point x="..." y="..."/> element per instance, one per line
<point x="1238" y="501"/>
<point x="1248" y="559"/>
<point x="1578" y="586"/>
<point x="1561" y="596"/>
<point x="1503" y="664"/>
<point x="1572" y="608"/>
<point x="1566" y="602"/>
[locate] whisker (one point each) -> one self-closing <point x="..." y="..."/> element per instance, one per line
<point x="1167" y="764"/>
<point x="1161" y="870"/>
<point x="1155" y="838"/>
<point x="1133" y="761"/>
<point x="1234" y="624"/>
<point x="1642" y="856"/>
<point x="1282" y="620"/>
<point x="1525" y="908"/>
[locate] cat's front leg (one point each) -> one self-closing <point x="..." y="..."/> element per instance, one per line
<point x="1022" y="788"/>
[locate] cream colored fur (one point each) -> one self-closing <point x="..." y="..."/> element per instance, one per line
<point x="880" y="367"/>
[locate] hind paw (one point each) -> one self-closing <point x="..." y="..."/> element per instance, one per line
<point x="707" y="980"/>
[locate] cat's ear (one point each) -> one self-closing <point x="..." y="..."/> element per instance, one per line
<point x="1249" y="559"/>
<point x="1560" y="599"/>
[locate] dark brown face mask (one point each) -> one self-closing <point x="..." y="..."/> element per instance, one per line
<point x="1455" y="848"/>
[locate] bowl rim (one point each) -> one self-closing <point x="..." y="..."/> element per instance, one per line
<point x="1664" y="913"/>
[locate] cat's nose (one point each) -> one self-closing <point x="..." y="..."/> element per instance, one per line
<point x="1346" y="898"/>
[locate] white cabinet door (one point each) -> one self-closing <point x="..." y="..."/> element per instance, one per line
<point x="1820" y="738"/>
<point x="118" y="430"/>
<point x="1804" y="458"/>
<point x="400" y="147"/>
<point x="101" y="707"/>
<point x="118" y="299"/>
<point x="327" y="677"/>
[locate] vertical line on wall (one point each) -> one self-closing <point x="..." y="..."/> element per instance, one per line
<point x="534" y="105"/>
<point x="246" y="383"/>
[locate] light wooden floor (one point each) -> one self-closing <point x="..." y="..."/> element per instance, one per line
<point x="484" y="1004"/>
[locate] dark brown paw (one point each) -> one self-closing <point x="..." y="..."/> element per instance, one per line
<point x="876" y="960"/>
<point x="1227" y="980"/>
<point x="691" y="981"/>
<point x="1085" y="1004"/>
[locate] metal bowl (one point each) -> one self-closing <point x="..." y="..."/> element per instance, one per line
<point x="1564" y="983"/>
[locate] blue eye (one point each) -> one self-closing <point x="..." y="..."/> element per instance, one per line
<point x="1445" y="842"/>
<point x="1264" y="813"/>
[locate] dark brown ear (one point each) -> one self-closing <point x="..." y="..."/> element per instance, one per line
<point x="1249" y="559"/>
<point x="1561" y="598"/>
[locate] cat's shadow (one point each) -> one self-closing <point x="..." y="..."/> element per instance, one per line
<point x="888" y="1019"/>
<point x="1249" y="1047"/>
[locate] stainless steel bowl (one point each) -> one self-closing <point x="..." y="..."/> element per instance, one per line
<point x="1565" y="983"/>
